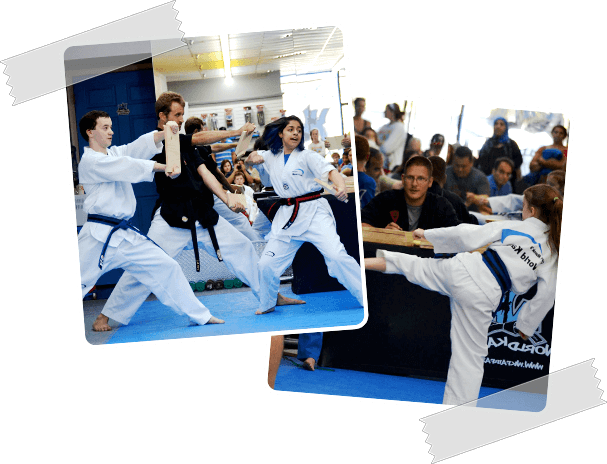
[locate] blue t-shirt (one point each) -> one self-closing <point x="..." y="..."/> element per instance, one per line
<point x="366" y="187"/>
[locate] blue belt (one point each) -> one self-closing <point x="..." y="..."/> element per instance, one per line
<point x="118" y="224"/>
<point x="498" y="269"/>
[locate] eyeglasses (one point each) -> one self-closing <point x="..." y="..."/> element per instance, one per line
<point x="420" y="180"/>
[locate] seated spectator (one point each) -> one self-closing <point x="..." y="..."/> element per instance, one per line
<point x="513" y="203"/>
<point x="500" y="177"/>
<point x="464" y="179"/>
<point x="317" y="145"/>
<point x="336" y="159"/>
<point x="556" y="179"/>
<point x="413" y="207"/>
<point x="374" y="168"/>
<point x="549" y="158"/>
<point x="439" y="177"/>
<point x="371" y="137"/>
<point x="239" y="181"/>
<point x="226" y="168"/>
<point x="346" y="165"/>
<point x="366" y="185"/>
<point x="500" y="145"/>
<point x="240" y="167"/>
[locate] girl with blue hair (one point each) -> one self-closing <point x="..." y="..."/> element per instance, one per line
<point x="498" y="146"/>
<point x="301" y="215"/>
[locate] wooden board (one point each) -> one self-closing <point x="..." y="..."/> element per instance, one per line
<point x="335" y="142"/>
<point x="171" y="147"/>
<point x="243" y="142"/>
<point x="329" y="188"/>
<point x="400" y="238"/>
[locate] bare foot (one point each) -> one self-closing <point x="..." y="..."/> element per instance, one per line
<point x="213" y="320"/>
<point x="266" y="311"/>
<point x="308" y="364"/>
<point x="101" y="324"/>
<point x="285" y="300"/>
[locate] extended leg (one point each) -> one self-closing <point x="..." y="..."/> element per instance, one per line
<point x="276" y="258"/>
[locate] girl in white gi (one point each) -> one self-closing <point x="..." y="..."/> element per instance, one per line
<point x="303" y="215"/>
<point x="107" y="241"/>
<point x="520" y="254"/>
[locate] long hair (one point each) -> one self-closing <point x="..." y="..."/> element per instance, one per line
<point x="271" y="133"/>
<point x="549" y="202"/>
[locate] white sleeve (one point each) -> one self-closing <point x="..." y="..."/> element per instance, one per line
<point x="142" y="148"/>
<point x="464" y="237"/>
<point x="533" y="313"/>
<point x="506" y="203"/>
<point x="104" y="168"/>
<point x="319" y="166"/>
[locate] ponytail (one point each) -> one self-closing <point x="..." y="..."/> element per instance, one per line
<point x="549" y="203"/>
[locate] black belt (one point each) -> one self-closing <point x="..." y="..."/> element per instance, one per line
<point x="195" y="238"/>
<point x="295" y="201"/>
<point x="118" y="224"/>
<point x="498" y="269"/>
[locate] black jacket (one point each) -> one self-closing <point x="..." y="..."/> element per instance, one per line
<point x="458" y="204"/>
<point x="186" y="199"/>
<point x="436" y="211"/>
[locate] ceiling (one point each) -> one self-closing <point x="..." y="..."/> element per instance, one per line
<point x="290" y="51"/>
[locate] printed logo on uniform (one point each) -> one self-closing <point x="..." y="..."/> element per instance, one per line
<point x="270" y="254"/>
<point x="298" y="172"/>
<point x="285" y="186"/>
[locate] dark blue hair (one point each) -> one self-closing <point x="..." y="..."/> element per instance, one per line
<point x="271" y="133"/>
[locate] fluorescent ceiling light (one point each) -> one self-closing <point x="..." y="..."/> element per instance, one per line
<point x="225" y="51"/>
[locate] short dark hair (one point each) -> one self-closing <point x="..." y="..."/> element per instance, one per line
<point x="89" y="122"/>
<point x="358" y="100"/>
<point x="192" y="124"/>
<point x="436" y="137"/>
<point x="463" y="152"/>
<point x="240" y="174"/>
<point x="501" y="160"/>
<point x="418" y="160"/>
<point x="260" y="144"/>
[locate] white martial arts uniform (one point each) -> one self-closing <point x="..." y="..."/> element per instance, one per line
<point x="475" y="292"/>
<point x="315" y="223"/>
<point x="237" y="251"/>
<point x="107" y="181"/>
<point x="506" y="203"/>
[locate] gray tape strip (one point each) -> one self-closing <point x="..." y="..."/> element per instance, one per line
<point x="461" y="429"/>
<point x="27" y="85"/>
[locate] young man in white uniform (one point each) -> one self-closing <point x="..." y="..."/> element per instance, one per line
<point x="292" y="170"/>
<point x="476" y="285"/>
<point x="107" y="241"/>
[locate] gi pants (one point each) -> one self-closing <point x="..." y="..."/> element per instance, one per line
<point x="278" y="256"/>
<point x="237" y="251"/>
<point x="238" y="220"/>
<point x="471" y="313"/>
<point x="145" y="263"/>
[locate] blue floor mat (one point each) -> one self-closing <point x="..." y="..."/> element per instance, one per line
<point x="329" y="381"/>
<point x="154" y="321"/>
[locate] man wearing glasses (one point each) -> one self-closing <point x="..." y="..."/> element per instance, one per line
<point x="413" y="207"/>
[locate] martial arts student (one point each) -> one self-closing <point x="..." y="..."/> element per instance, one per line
<point x="521" y="253"/>
<point x="185" y="215"/>
<point x="107" y="239"/>
<point x="302" y="215"/>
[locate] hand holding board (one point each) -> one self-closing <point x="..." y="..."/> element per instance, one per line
<point x="243" y="143"/>
<point x="171" y="147"/>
